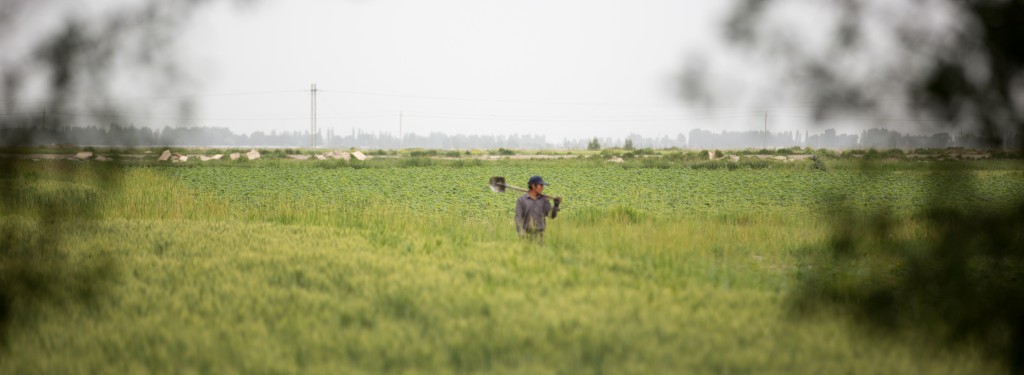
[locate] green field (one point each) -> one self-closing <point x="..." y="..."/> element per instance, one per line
<point x="413" y="266"/>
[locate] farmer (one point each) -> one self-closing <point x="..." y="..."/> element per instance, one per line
<point x="531" y="210"/>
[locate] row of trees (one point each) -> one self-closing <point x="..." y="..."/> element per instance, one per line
<point x="210" y="136"/>
<point x="698" y="139"/>
<point x="873" y="138"/>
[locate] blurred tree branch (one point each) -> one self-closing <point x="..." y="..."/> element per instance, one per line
<point x="75" y="59"/>
<point x="956" y="62"/>
<point x="953" y="62"/>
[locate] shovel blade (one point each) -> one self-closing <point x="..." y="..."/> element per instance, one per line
<point x="497" y="184"/>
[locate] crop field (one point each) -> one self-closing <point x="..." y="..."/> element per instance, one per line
<point x="412" y="265"/>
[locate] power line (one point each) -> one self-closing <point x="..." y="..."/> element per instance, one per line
<point x="246" y="93"/>
<point x="118" y="115"/>
<point x="371" y="114"/>
<point x="455" y="98"/>
<point x="800" y="105"/>
<point x="545" y="118"/>
<point x="185" y="96"/>
<point x="444" y="115"/>
<point x="514" y="101"/>
<point x="709" y="112"/>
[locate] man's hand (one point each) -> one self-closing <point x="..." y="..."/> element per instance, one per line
<point x="558" y="201"/>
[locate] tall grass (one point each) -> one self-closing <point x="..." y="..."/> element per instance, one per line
<point x="215" y="278"/>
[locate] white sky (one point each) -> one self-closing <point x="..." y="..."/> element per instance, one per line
<point x="562" y="69"/>
<point x="576" y="68"/>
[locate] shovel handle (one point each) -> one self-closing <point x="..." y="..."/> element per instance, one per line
<point x="523" y="190"/>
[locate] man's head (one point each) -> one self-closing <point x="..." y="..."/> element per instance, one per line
<point x="536" y="184"/>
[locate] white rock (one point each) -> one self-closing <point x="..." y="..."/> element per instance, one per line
<point x="204" y="158"/>
<point x="83" y="155"/>
<point x="733" y="158"/>
<point x="321" y="157"/>
<point x="359" y="155"/>
<point x="235" y="156"/>
<point x="298" y="157"/>
<point x="165" y="156"/>
<point x="102" y="158"/>
<point x="779" y="158"/>
<point x="338" y="155"/>
<point x="252" y="154"/>
<point x="616" y="160"/>
<point x="216" y="157"/>
<point x="183" y="158"/>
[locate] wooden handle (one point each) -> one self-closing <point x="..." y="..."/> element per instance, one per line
<point x="524" y="190"/>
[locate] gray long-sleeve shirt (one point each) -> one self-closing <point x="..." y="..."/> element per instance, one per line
<point x="531" y="214"/>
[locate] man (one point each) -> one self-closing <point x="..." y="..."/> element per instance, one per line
<point x="532" y="210"/>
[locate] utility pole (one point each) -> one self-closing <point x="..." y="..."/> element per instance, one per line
<point x="764" y="140"/>
<point x="312" y="114"/>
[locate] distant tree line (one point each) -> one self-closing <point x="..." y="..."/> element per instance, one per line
<point x="114" y="135"/>
<point x="212" y="136"/>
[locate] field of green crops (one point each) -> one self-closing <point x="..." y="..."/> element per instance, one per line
<point x="413" y="266"/>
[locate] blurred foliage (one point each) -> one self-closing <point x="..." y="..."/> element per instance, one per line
<point x="960" y="278"/>
<point x="76" y="61"/>
<point x="957" y="63"/>
<point x="36" y="268"/>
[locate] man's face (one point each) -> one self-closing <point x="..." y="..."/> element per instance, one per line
<point x="538" y="188"/>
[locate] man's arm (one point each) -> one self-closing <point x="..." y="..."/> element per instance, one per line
<point x="554" y="210"/>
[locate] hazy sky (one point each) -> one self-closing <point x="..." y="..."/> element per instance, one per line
<point x="558" y="68"/>
<point x="563" y="69"/>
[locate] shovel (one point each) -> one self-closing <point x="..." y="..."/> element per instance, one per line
<point x="498" y="185"/>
